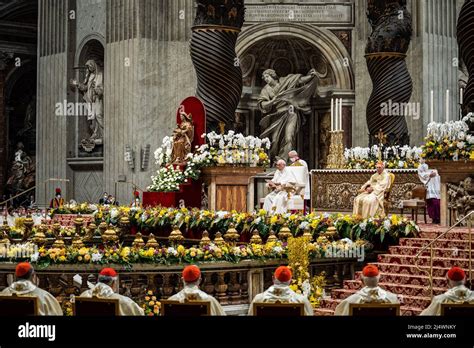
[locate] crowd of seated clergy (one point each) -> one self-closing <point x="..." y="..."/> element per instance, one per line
<point x="279" y="293"/>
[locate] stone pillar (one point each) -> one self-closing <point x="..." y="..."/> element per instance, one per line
<point x="3" y="125"/>
<point x="465" y="34"/>
<point x="216" y="28"/>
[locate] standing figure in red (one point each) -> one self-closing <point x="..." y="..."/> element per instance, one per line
<point x="57" y="201"/>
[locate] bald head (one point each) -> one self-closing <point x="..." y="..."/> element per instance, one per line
<point x="293" y="156"/>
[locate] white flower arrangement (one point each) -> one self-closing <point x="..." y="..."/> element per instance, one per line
<point x="393" y="156"/>
<point x="452" y="131"/>
<point x="450" y="141"/>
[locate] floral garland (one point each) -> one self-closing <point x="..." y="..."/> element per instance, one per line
<point x="169" y="255"/>
<point x="449" y="141"/>
<point x="226" y="149"/>
<point x="401" y="157"/>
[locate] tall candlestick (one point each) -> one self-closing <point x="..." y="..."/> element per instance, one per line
<point x="461" y="96"/>
<point x="447" y="105"/>
<point x="336" y="111"/>
<point x="432" y="107"/>
<point x="340" y="114"/>
<point x="332" y="114"/>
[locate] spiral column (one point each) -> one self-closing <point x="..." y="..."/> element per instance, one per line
<point x="219" y="76"/>
<point x="392" y="84"/>
<point x="465" y="34"/>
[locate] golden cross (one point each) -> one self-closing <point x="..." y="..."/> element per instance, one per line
<point x="381" y="137"/>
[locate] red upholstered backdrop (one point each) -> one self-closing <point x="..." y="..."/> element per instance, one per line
<point x="190" y="193"/>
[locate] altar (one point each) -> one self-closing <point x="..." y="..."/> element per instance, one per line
<point x="334" y="190"/>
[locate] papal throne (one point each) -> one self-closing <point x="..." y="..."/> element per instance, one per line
<point x="20" y="306"/>
<point x="374" y="309"/>
<point x="296" y="201"/>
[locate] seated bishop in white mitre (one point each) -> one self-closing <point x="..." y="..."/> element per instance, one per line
<point x="369" y="202"/>
<point x="276" y="202"/>
<point x="457" y="293"/>
<point x="370" y="293"/>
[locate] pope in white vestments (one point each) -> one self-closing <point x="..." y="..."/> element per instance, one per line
<point x="191" y="291"/>
<point x="107" y="282"/>
<point x="371" y="293"/>
<point x="280" y="292"/>
<point x="276" y="202"/>
<point x="458" y="293"/>
<point x="297" y="161"/>
<point x="370" y="202"/>
<point x="24" y="287"/>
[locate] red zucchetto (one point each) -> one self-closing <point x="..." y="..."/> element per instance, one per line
<point x="370" y="271"/>
<point x="283" y="274"/>
<point x="108" y="272"/>
<point x="456" y="274"/>
<point x="22" y="268"/>
<point x="191" y="274"/>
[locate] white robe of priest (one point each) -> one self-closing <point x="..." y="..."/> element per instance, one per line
<point x="47" y="303"/>
<point x="127" y="307"/>
<point x="458" y="294"/>
<point x="366" y="295"/>
<point x="432" y="184"/>
<point x="282" y="293"/>
<point x="368" y="205"/>
<point x="276" y="202"/>
<point x="193" y="293"/>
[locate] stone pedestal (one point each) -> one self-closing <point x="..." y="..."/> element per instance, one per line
<point x="230" y="188"/>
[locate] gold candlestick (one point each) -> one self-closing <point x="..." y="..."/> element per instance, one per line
<point x="336" y="158"/>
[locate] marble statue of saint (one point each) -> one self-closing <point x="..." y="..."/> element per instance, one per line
<point x="283" y="103"/>
<point x="92" y="90"/>
<point x="183" y="137"/>
<point x="29" y="122"/>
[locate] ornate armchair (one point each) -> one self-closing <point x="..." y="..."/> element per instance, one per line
<point x="457" y="309"/>
<point x="18" y="306"/>
<point x="386" y="201"/>
<point x="94" y="306"/>
<point x="186" y="309"/>
<point x="278" y="309"/>
<point x="374" y="309"/>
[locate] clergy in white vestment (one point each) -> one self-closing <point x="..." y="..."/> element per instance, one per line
<point x="370" y="293"/>
<point x="280" y="292"/>
<point x="432" y="181"/>
<point x="297" y="161"/>
<point x="191" y="292"/>
<point x="457" y="293"/>
<point x="24" y="287"/>
<point x="276" y="202"/>
<point x="107" y="288"/>
<point x="369" y="202"/>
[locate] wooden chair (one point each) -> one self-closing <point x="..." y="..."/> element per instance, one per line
<point x="20" y="306"/>
<point x="374" y="309"/>
<point x="386" y="200"/>
<point x="457" y="309"/>
<point x="94" y="307"/>
<point x="277" y="309"/>
<point x="185" y="309"/>
<point x="416" y="203"/>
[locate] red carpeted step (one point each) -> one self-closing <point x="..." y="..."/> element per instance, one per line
<point x="397" y="288"/>
<point x="441" y="243"/>
<point x="423" y="261"/>
<point x="464" y="235"/>
<point x="409" y="279"/>
<point x="452" y="252"/>
<point x="411" y="269"/>
<point x="406" y="300"/>
<point x="329" y="306"/>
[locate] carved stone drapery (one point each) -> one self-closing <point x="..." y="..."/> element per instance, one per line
<point x="465" y="35"/>
<point x="386" y="53"/>
<point x="216" y="28"/>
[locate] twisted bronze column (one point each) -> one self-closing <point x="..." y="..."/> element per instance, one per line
<point x="465" y="34"/>
<point x="392" y="83"/>
<point x="219" y="76"/>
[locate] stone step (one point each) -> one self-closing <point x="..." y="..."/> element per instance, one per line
<point x="423" y="261"/>
<point x="452" y="252"/>
<point x="442" y="243"/>
<point x="408" y="279"/>
<point x="398" y="288"/>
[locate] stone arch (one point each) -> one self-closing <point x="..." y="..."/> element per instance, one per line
<point x="328" y="43"/>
